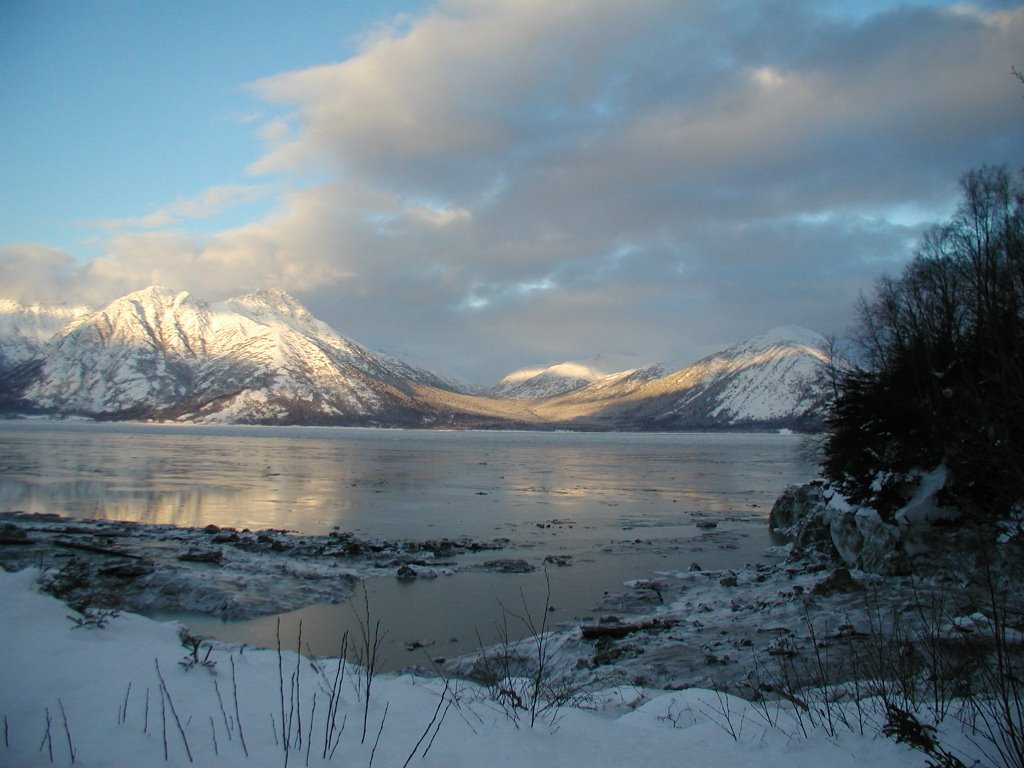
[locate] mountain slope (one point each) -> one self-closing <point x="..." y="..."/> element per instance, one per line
<point x="25" y="329"/>
<point x="256" y="358"/>
<point x="774" y="379"/>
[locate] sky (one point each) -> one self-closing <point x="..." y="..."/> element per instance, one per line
<point x="478" y="186"/>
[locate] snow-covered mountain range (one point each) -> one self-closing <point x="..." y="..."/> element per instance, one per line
<point x="776" y="379"/>
<point x="263" y="358"/>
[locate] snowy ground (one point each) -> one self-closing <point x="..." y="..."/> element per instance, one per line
<point x="631" y="686"/>
<point x="120" y="696"/>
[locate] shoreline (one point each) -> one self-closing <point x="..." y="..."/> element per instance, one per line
<point x="779" y="664"/>
<point x="673" y="630"/>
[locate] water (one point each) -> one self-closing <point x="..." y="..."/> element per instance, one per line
<point x="619" y="506"/>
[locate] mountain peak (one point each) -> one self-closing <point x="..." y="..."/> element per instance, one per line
<point x="273" y="303"/>
<point x="158" y="294"/>
<point x="791" y="334"/>
<point x="546" y="382"/>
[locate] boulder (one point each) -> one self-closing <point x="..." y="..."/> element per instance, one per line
<point x="839" y="580"/>
<point x="794" y="506"/>
<point x="823" y="526"/>
<point x="510" y="566"/>
<point x="406" y="573"/>
<point x="864" y="541"/>
<point x="194" y="555"/>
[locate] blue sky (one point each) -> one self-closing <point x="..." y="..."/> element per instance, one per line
<point x="481" y="185"/>
<point x="114" y="109"/>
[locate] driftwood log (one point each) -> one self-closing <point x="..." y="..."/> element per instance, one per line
<point x="617" y="629"/>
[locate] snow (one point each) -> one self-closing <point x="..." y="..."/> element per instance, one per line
<point x="546" y="382"/>
<point x="126" y="695"/>
<point x="923" y="506"/>
<point x="161" y="353"/>
<point x="25" y="329"/>
<point x="162" y="349"/>
<point x="769" y="378"/>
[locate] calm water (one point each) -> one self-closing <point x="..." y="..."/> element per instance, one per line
<point x="620" y="505"/>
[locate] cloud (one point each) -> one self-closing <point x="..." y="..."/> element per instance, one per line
<point x="32" y="273"/>
<point x="293" y="248"/>
<point x="502" y="183"/>
<point x="210" y="202"/>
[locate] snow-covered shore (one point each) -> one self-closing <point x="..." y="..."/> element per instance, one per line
<point x="116" y="696"/>
<point x="641" y="684"/>
<point x="679" y="629"/>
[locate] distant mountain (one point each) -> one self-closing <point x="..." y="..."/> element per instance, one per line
<point x="772" y="380"/>
<point x="25" y="329"/>
<point x="545" y="382"/>
<point x="263" y="358"/>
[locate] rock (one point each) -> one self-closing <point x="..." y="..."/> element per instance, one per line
<point x="728" y="581"/>
<point x="128" y="570"/>
<point x="406" y="573"/>
<point x="846" y="537"/>
<point x="414" y="645"/>
<point x="826" y="528"/>
<point x="202" y="556"/>
<point x="560" y="560"/>
<point x="12" y="534"/>
<point x="814" y="539"/>
<point x="695" y="566"/>
<point x="510" y="566"/>
<point x="839" y="580"/>
<point x="794" y="506"/>
<point x="856" y="538"/>
<point x="882" y="550"/>
<point x="782" y="646"/>
<point x="863" y="541"/>
<point x="707" y="524"/>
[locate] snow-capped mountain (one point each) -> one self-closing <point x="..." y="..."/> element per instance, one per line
<point x="775" y="379"/>
<point x="545" y="382"/>
<point x="256" y="358"/>
<point x="263" y="358"/>
<point x="25" y="329"/>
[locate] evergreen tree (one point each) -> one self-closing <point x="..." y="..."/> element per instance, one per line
<point x="943" y="373"/>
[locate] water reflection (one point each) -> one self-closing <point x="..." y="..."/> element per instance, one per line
<point x="389" y="483"/>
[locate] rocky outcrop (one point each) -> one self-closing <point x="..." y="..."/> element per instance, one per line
<point x="863" y="541"/>
<point x="796" y="504"/>
<point x="823" y="526"/>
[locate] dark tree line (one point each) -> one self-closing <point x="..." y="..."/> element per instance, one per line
<point x="942" y="379"/>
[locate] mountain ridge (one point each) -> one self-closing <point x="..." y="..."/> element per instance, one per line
<point x="263" y="357"/>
